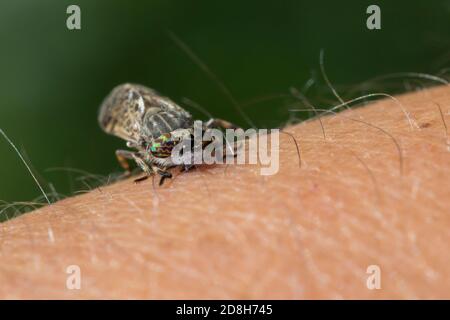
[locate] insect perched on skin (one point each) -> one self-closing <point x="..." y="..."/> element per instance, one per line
<point x="151" y="124"/>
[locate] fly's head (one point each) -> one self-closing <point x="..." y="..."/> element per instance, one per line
<point x="162" y="146"/>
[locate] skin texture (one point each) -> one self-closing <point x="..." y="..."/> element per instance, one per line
<point x="308" y="232"/>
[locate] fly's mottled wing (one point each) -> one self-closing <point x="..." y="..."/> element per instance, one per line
<point x="134" y="113"/>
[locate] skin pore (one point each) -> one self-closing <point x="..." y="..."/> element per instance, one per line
<point x="308" y="232"/>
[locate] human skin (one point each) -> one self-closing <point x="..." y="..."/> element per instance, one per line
<point x="305" y="232"/>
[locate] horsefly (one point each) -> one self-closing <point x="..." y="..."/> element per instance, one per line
<point x="153" y="125"/>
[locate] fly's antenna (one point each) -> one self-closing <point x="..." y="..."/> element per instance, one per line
<point x="183" y="46"/>
<point x="26" y="165"/>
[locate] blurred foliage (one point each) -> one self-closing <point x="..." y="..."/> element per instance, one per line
<point x="52" y="80"/>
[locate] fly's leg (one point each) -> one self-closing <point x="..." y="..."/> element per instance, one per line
<point x="123" y="156"/>
<point x="162" y="172"/>
<point x="144" y="167"/>
<point x="143" y="178"/>
<point x="164" y="175"/>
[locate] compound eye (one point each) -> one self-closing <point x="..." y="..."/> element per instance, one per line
<point x="162" y="146"/>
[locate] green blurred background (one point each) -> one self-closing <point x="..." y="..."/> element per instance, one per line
<point x="52" y="80"/>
